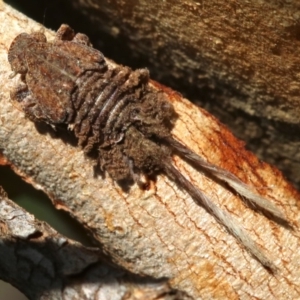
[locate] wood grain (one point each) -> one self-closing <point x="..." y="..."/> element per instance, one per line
<point x="239" y="59"/>
<point x="162" y="232"/>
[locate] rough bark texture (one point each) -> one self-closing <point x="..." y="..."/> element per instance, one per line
<point x="161" y="232"/>
<point x="230" y="56"/>
<point x="45" y="265"/>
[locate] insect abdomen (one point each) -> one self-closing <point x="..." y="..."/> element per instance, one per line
<point x="103" y="102"/>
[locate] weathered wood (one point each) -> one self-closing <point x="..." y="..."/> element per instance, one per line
<point x="46" y="265"/>
<point x="162" y="232"/>
<point x="240" y="59"/>
<point x="252" y="46"/>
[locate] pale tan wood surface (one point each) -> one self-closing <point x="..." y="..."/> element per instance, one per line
<point x="162" y="232"/>
<point x="43" y="264"/>
<point x="238" y="58"/>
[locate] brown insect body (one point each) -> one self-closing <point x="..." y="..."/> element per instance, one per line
<point x="113" y="109"/>
<point x="74" y="85"/>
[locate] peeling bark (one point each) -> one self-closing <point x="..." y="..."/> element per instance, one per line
<point x="161" y="232"/>
<point x="45" y="265"/>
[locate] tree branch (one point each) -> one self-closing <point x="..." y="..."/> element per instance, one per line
<point x="42" y="263"/>
<point x="239" y="59"/>
<point x="161" y="232"/>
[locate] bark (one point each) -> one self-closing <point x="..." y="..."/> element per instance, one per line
<point x="45" y="265"/>
<point x="230" y="56"/>
<point x="214" y="37"/>
<point x="161" y="232"/>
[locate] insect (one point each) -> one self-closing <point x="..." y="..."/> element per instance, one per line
<point x="114" y="110"/>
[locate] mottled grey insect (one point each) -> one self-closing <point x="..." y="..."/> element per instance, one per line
<point x="116" y="111"/>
